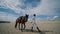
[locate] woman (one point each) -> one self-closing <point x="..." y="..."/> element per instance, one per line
<point x="34" y="23"/>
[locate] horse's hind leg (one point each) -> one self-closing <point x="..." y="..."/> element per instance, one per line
<point x="19" y="26"/>
<point x="15" y="24"/>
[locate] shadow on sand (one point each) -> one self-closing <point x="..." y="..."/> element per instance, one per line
<point x="35" y="31"/>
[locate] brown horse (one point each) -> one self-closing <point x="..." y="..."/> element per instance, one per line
<point x="21" y="20"/>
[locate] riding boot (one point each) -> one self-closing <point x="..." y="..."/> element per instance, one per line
<point x="38" y="29"/>
<point x="32" y="29"/>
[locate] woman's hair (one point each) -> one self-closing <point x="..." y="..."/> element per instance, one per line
<point x="34" y="15"/>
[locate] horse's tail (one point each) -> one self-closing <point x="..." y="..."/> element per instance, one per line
<point x="16" y="24"/>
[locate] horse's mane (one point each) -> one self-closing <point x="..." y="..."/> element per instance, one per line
<point x="19" y="18"/>
<point x="24" y="18"/>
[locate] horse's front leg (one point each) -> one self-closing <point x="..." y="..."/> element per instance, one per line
<point x="24" y="26"/>
<point x="21" y="27"/>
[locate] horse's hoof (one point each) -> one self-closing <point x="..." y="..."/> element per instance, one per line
<point x="24" y="29"/>
<point x="19" y="28"/>
<point x="15" y="27"/>
<point x="31" y="30"/>
<point x="39" y="31"/>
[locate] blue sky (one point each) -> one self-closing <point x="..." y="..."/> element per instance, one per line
<point x="44" y="9"/>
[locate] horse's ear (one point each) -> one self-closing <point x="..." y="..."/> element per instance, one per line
<point x="28" y="14"/>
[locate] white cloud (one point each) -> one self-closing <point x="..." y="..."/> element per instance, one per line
<point x="54" y="17"/>
<point x="12" y="4"/>
<point x="46" y="7"/>
<point x="7" y="17"/>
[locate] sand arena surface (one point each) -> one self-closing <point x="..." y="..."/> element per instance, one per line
<point x="47" y="27"/>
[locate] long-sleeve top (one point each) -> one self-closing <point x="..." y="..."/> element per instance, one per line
<point x="34" y="22"/>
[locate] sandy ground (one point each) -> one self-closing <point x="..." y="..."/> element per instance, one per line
<point x="47" y="27"/>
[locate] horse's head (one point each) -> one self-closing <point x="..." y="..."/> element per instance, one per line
<point x="27" y="15"/>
